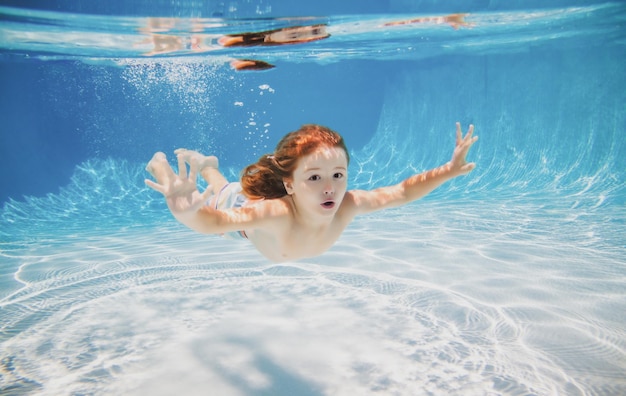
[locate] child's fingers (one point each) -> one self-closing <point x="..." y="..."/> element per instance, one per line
<point x="180" y="152"/>
<point x="206" y="194"/>
<point x="182" y="167"/>
<point x="193" y="169"/>
<point x="459" y="133"/>
<point x="155" y="186"/>
<point x="468" y="167"/>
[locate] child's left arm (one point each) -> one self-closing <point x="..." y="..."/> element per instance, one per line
<point x="420" y="185"/>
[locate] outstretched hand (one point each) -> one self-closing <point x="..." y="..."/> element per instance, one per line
<point x="180" y="190"/>
<point x="459" y="164"/>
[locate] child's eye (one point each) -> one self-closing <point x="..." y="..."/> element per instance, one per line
<point x="338" y="175"/>
<point x="314" y="178"/>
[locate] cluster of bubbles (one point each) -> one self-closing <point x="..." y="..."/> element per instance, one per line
<point x="256" y="122"/>
<point x="189" y="81"/>
<point x="184" y="88"/>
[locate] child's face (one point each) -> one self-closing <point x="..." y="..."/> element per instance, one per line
<point x="319" y="182"/>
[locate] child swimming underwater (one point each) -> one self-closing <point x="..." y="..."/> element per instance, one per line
<point x="293" y="203"/>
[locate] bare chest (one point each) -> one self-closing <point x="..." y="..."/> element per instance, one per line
<point x="298" y="242"/>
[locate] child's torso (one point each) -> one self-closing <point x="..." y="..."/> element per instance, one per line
<point x="293" y="241"/>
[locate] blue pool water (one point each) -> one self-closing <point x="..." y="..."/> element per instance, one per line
<point x="509" y="281"/>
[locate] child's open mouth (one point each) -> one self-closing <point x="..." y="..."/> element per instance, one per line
<point x="329" y="204"/>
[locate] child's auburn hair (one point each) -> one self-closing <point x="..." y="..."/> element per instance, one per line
<point x="264" y="179"/>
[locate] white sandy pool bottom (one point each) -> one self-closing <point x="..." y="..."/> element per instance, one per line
<point x="422" y="300"/>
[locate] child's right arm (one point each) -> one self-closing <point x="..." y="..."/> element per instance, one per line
<point x="181" y="194"/>
<point x="189" y="207"/>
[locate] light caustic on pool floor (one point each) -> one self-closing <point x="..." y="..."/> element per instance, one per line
<point x="435" y="309"/>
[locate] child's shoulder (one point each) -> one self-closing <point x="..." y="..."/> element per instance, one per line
<point x="274" y="215"/>
<point x="351" y="199"/>
<point x="354" y="196"/>
<point x="275" y="206"/>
